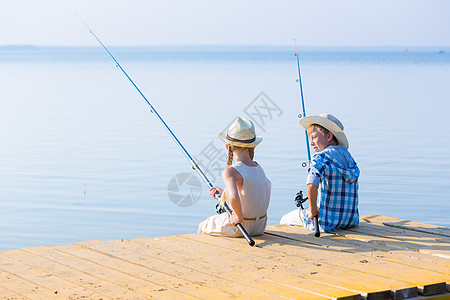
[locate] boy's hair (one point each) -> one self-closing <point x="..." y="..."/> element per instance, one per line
<point x="322" y="130"/>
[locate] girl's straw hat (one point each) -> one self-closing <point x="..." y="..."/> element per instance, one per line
<point x="241" y="133"/>
<point x="329" y="122"/>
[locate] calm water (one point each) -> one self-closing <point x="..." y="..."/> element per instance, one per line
<point x="83" y="158"/>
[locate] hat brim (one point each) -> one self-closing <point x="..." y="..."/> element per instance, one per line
<point x="258" y="140"/>
<point x="329" y="125"/>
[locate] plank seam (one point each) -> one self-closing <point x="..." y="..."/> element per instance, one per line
<point x="429" y="252"/>
<point x="417" y="229"/>
<point x="27" y="279"/>
<point x="13" y="292"/>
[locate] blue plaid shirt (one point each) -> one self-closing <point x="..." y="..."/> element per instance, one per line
<point x="336" y="174"/>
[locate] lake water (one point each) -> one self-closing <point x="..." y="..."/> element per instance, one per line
<point x="83" y="158"/>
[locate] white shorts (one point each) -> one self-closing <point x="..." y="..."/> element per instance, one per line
<point x="220" y="225"/>
<point x="294" y="217"/>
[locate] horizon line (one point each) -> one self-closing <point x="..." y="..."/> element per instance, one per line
<point x="405" y="47"/>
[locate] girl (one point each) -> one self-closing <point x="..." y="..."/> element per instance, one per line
<point x="247" y="188"/>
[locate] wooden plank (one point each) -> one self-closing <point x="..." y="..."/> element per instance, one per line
<point x="246" y="263"/>
<point x="203" y="257"/>
<point x="74" y="276"/>
<point x="348" y="241"/>
<point x="39" y="277"/>
<point x="139" y="287"/>
<point x="216" y="262"/>
<point x="305" y="286"/>
<point x="406" y="239"/>
<point x="430" y="239"/>
<point x="9" y="295"/>
<point x="168" y="290"/>
<point x="379" y="249"/>
<point x="406" y="224"/>
<point x="14" y="287"/>
<point x="427" y="282"/>
<point x="7" y="280"/>
<point x="257" y="268"/>
<point x="304" y="266"/>
<point x="391" y="253"/>
<point x="407" y="243"/>
<point x="183" y="279"/>
<point x="122" y="249"/>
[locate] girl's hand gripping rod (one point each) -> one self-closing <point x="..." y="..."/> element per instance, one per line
<point x="250" y="241"/>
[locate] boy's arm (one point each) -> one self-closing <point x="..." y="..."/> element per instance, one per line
<point x="312" y="195"/>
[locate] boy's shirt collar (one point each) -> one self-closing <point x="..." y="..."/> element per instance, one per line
<point x="342" y="161"/>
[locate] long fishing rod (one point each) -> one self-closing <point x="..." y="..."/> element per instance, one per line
<point x="304" y="164"/>
<point x="250" y="241"/>
<point x="299" y="80"/>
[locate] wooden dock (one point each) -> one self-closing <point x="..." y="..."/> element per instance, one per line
<point x="382" y="258"/>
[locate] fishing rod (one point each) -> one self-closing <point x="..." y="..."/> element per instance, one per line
<point x="250" y="241"/>
<point x="299" y="80"/>
<point x="299" y="199"/>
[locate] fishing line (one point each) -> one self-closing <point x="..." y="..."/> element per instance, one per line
<point x="185" y="152"/>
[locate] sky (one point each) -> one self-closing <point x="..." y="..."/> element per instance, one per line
<point x="232" y="22"/>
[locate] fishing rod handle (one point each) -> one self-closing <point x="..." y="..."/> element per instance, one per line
<point x="316" y="226"/>
<point x="249" y="239"/>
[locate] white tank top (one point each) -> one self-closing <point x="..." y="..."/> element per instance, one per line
<point x="255" y="192"/>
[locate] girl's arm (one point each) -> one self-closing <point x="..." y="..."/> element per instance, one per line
<point x="232" y="178"/>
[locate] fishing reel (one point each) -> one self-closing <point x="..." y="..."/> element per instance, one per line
<point x="219" y="208"/>
<point x="299" y="200"/>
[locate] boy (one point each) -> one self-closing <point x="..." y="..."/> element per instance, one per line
<point x="332" y="182"/>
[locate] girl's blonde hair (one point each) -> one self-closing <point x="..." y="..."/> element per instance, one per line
<point x="251" y="152"/>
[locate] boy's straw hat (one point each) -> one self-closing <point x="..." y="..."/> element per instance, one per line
<point x="331" y="123"/>
<point x="241" y="133"/>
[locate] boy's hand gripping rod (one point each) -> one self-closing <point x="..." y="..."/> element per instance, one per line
<point x="304" y="164"/>
<point x="250" y="241"/>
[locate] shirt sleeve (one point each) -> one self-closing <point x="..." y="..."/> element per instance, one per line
<point x="315" y="170"/>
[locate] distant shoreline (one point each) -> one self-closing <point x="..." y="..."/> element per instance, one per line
<point x="225" y="48"/>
